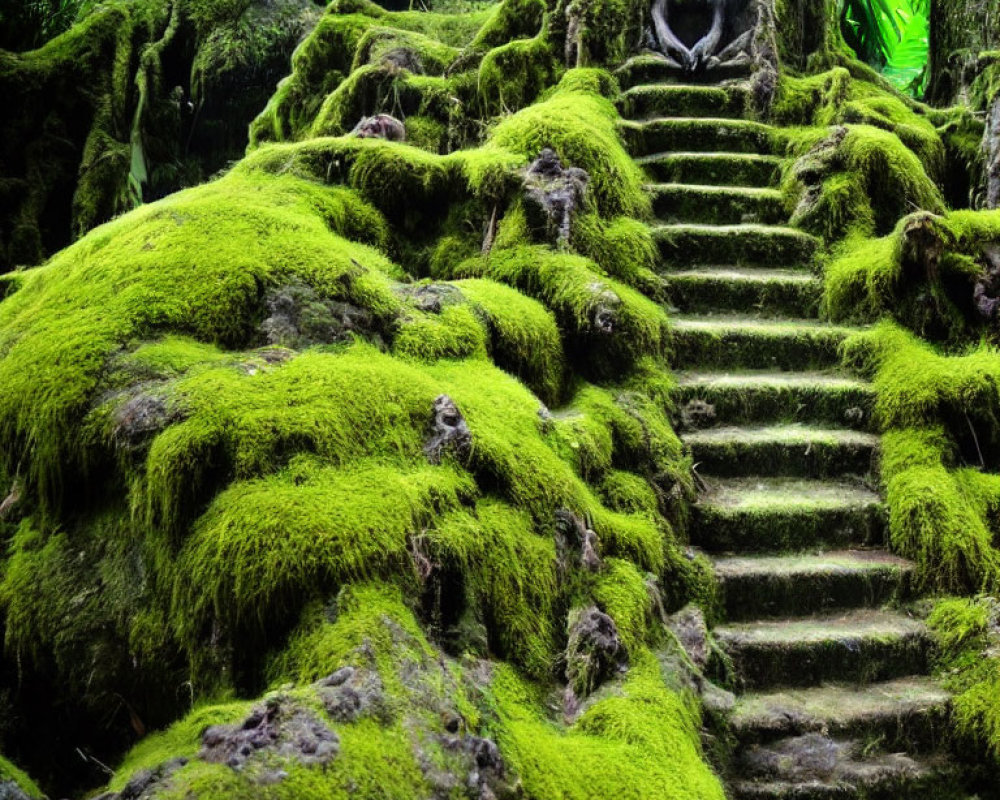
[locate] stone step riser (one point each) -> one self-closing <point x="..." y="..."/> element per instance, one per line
<point x="651" y="69"/>
<point x="699" y="135"/>
<point x="702" y="294"/>
<point x="706" y="169"/>
<point x="921" y="729"/>
<point x="664" y="100"/>
<point x="935" y="786"/>
<point x="862" y="659"/>
<point x="755" y="349"/>
<point x="753" y="596"/>
<point x="687" y="246"/>
<point x="784" y="531"/>
<point x="681" y="203"/>
<point x="817" y="459"/>
<point x="848" y="406"/>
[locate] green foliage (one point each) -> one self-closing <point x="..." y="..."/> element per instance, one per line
<point x="893" y="36"/>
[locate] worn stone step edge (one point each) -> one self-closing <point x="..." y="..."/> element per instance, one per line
<point x="737" y="245"/>
<point x="683" y="99"/>
<point x="755" y="586"/>
<point x="779" y="515"/>
<point x="720" y="168"/>
<point x="860" y="646"/>
<point x="891" y="777"/>
<point x="652" y="67"/>
<point x="908" y="713"/>
<point x="782" y="450"/>
<point x="707" y="134"/>
<point x="711" y="204"/>
<point x="766" y="396"/>
<point x="740" y="342"/>
<point x="740" y="290"/>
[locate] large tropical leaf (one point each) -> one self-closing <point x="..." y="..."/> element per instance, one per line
<point x="893" y="36"/>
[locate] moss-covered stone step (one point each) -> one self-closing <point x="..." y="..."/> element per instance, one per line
<point x="684" y="100"/>
<point x="654" y="68"/>
<point x="859" y="646"/>
<point x="740" y="245"/>
<point x="754" y="586"/>
<point x="707" y="134"/>
<point x="908" y="713"/>
<point x="723" y="205"/>
<point x="732" y="169"/>
<point x="791" y="449"/>
<point x="809" y="768"/>
<point x="746" y="342"/>
<point x="778" y="292"/>
<point x="758" y="396"/>
<point x="768" y="514"/>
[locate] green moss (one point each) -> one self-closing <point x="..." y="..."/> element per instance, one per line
<point x="454" y="333"/>
<point x="866" y="178"/>
<point x="510" y="573"/>
<point x="512" y="75"/>
<point x="579" y="124"/>
<point x="927" y="402"/>
<point x="583" y="300"/>
<point x="524" y="338"/>
<point x="646" y="731"/>
<point x="8" y="772"/>
<point x="622" y="593"/>
<point x="153" y="271"/>
<point x="181" y="740"/>
<point x="966" y="632"/>
<point x="242" y="568"/>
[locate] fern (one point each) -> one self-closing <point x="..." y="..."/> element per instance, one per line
<point x="893" y="36"/>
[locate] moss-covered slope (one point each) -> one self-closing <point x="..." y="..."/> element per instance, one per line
<point x="349" y="382"/>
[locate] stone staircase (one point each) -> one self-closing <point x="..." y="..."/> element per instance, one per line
<point x="833" y="697"/>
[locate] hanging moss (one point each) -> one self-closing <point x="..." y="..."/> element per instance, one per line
<point x="147" y="117"/>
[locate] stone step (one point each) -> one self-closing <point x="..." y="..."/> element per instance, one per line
<point x="706" y="134"/>
<point x="735" y="169"/>
<point x="724" y="205"/>
<point x="782" y="450"/>
<point x="739" y="245"/>
<point x="780" y="515"/>
<point x="652" y="67"/>
<point x="745" y="342"/>
<point x="754" y="586"/>
<point x="854" y="647"/>
<point x="814" y="767"/>
<point x="748" y="397"/>
<point x="777" y="292"/>
<point x="907" y="713"/>
<point x="684" y="100"/>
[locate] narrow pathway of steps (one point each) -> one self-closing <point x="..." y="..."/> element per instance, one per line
<point x="833" y="697"/>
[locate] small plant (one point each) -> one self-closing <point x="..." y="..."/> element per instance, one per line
<point x="893" y="36"/>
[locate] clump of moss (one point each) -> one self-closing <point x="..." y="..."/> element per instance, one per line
<point x="936" y="411"/>
<point x="859" y="180"/>
<point x="923" y="274"/>
<point x="645" y="730"/>
<point x="968" y="635"/>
